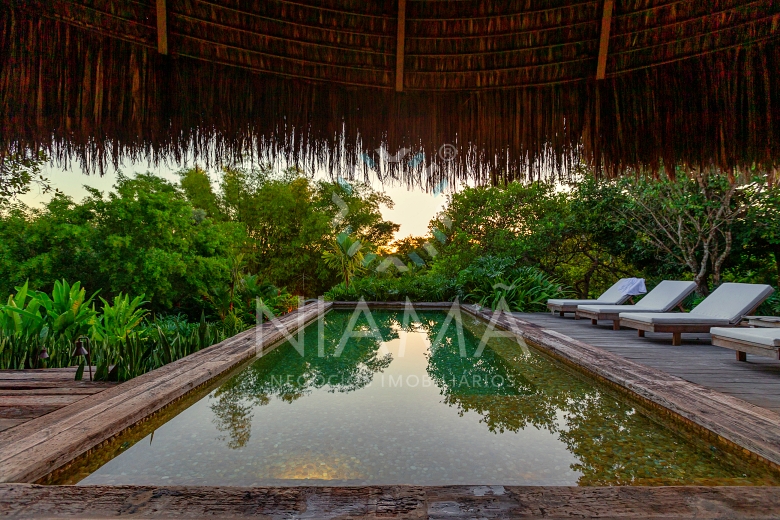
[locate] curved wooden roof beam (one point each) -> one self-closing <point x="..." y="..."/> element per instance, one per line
<point x="162" y="27"/>
<point x="399" y="55"/>
<point x="606" y="23"/>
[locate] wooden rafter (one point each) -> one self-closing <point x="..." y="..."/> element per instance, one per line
<point x="399" y="54"/>
<point x="606" y="23"/>
<point x="162" y="27"/>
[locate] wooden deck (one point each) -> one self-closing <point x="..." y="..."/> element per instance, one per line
<point x="756" y="381"/>
<point x="28" y="394"/>
<point x="398" y="502"/>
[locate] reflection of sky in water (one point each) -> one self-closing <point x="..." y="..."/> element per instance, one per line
<point x="424" y="418"/>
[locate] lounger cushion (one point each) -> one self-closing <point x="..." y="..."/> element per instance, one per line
<point x="612" y="296"/>
<point x="664" y="297"/>
<point x="731" y="301"/>
<point x="766" y="337"/>
<point x="569" y="302"/>
<point x="602" y="309"/>
<point x="673" y="318"/>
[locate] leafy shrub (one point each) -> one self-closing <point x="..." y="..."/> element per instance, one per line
<point x="494" y="281"/>
<point x="486" y="281"/>
<point x="416" y="287"/>
<point x="123" y="341"/>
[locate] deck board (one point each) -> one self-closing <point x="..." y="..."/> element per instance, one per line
<point x="28" y="394"/>
<point x="382" y="502"/>
<point x="756" y="381"/>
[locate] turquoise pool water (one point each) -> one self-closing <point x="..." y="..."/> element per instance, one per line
<point x="399" y="407"/>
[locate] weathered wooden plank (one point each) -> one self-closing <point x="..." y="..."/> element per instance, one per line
<point x="27" y="412"/>
<point x="399" y="48"/>
<point x="37" y="447"/>
<point x="403" y="502"/>
<point x="606" y="26"/>
<point x="6" y="424"/>
<point x="37" y="400"/>
<point x="53" y="384"/>
<point x="162" y="27"/>
<point x="54" y="390"/>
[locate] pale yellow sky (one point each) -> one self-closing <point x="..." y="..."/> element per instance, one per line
<point x="413" y="209"/>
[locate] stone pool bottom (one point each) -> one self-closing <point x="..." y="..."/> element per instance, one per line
<point x="410" y="402"/>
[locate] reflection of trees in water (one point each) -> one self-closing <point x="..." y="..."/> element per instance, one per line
<point x="286" y="375"/>
<point x="234" y="417"/>
<point x="613" y="443"/>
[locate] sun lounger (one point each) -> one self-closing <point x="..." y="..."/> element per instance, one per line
<point x="725" y="307"/>
<point x="761" y="342"/>
<point x="665" y="297"/>
<point x="612" y="296"/>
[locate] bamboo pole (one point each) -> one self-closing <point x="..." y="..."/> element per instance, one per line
<point x="399" y="55"/>
<point x="162" y="27"/>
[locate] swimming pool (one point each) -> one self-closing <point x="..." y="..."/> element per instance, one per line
<point x="410" y="402"/>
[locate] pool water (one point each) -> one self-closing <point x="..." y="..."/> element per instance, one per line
<point x="402" y="405"/>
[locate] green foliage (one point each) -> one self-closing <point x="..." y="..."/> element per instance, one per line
<point x="119" y="320"/>
<point x="20" y="170"/>
<point x="123" y="342"/>
<point x="415" y="286"/>
<point x="143" y="238"/>
<point x="290" y="220"/>
<point x="486" y="281"/>
<point x="492" y="283"/>
<point x="345" y="255"/>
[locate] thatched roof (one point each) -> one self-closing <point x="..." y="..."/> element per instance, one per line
<point x="511" y="85"/>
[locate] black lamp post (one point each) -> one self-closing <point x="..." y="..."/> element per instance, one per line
<point x="81" y="350"/>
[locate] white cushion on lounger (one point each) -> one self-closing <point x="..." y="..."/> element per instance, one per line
<point x="570" y="302"/>
<point x="665" y="296"/>
<point x="612" y="296"/>
<point x="732" y="301"/>
<point x="725" y="306"/>
<point x="609" y="308"/>
<point x="768" y="337"/>
<point x="672" y="318"/>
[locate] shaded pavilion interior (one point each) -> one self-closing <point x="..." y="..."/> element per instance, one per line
<point x="518" y="89"/>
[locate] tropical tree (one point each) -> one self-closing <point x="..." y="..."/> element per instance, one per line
<point x="346" y="255"/>
<point x="18" y="171"/>
<point x="690" y="219"/>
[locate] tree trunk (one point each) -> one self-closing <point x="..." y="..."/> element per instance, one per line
<point x="776" y="252"/>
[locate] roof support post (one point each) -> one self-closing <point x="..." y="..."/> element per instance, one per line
<point x="606" y="24"/>
<point x="162" y="27"/>
<point x="399" y="53"/>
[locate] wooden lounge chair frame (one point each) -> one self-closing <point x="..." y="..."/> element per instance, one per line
<point x="561" y="309"/>
<point x="677" y="329"/>
<point x="746" y="347"/>
<point x="614" y="316"/>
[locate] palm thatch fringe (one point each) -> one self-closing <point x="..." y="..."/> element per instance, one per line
<point x="82" y="95"/>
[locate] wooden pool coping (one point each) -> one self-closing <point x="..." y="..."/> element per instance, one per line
<point x="373" y="502"/>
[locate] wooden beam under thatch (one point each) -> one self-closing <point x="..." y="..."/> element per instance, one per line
<point x="399" y="53"/>
<point x="606" y="24"/>
<point x="162" y="27"/>
<point x="508" y="86"/>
